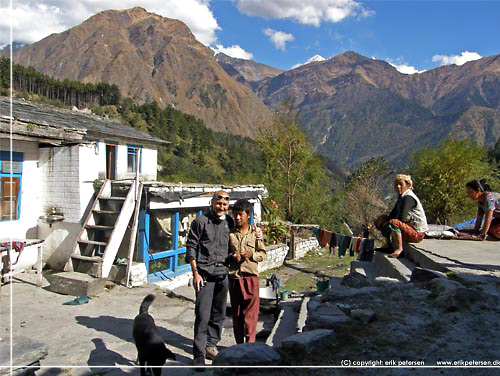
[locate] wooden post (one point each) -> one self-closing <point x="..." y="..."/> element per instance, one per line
<point x="291" y="251"/>
<point x="133" y="235"/>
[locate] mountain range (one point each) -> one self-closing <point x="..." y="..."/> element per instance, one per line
<point x="352" y="107"/>
<point x="149" y="57"/>
<point x="355" y="108"/>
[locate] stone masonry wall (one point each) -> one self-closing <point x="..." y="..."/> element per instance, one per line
<point x="276" y="254"/>
<point x="304" y="246"/>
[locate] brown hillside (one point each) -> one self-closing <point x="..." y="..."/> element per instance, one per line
<point x="355" y="108"/>
<point x="150" y="58"/>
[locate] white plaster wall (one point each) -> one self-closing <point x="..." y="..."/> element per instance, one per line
<point x="149" y="164"/>
<point x="101" y="160"/>
<point x="59" y="240"/>
<point x="121" y="163"/>
<point x="26" y="225"/>
<point x="90" y="164"/>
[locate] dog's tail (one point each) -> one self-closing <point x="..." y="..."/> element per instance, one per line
<point x="146" y="303"/>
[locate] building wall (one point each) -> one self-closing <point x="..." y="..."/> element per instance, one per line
<point x="26" y="225"/>
<point x="149" y="164"/>
<point x="60" y="181"/>
<point x="90" y="164"/>
<point x="101" y="160"/>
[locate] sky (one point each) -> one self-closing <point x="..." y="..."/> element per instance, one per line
<point x="413" y="36"/>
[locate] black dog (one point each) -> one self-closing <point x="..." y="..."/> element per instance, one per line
<point x="151" y="348"/>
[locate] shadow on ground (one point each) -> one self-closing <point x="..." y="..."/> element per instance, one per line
<point x="122" y="328"/>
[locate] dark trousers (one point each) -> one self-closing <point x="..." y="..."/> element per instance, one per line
<point x="210" y="310"/>
<point x="244" y="294"/>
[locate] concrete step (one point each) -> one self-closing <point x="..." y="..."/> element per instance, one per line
<point x="76" y="284"/>
<point x="394" y="268"/>
<point x="424" y="259"/>
<point x="366" y="268"/>
<point x="301" y="320"/>
<point x="286" y="325"/>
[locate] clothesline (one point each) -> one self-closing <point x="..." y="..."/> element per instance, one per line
<point x="340" y="244"/>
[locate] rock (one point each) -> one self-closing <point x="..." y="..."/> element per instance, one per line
<point x="384" y="280"/>
<point x="425" y="275"/>
<point x="439" y="286"/>
<point x="452" y="295"/>
<point x="303" y="342"/>
<point x="25" y="352"/>
<point x="248" y="354"/>
<point x="339" y="292"/>
<point x="356" y="280"/>
<point x="363" y="315"/>
<point x="324" y="315"/>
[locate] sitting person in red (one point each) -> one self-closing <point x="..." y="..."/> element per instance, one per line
<point x="246" y="250"/>
<point x="488" y="204"/>
<point x="407" y="221"/>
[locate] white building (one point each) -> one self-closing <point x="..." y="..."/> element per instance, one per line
<point x="50" y="162"/>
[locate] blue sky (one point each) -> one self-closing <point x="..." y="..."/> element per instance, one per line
<point x="412" y="35"/>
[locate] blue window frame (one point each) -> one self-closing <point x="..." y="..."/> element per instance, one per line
<point x="11" y="178"/>
<point x="162" y="242"/>
<point x="132" y="158"/>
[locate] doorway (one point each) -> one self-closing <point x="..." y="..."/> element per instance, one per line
<point x="110" y="161"/>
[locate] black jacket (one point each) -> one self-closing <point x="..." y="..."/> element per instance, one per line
<point x="208" y="242"/>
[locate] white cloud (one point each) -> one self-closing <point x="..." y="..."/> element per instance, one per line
<point x="406" y="69"/>
<point x="402" y="67"/>
<point x="308" y="12"/>
<point x="461" y="59"/>
<point x="233" y="51"/>
<point x="278" y="38"/>
<point x="312" y="59"/>
<point x="33" y="20"/>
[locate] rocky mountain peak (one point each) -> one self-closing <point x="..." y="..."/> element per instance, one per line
<point x="149" y="57"/>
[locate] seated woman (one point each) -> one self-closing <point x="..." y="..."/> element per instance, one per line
<point x="407" y="221"/>
<point x="488" y="204"/>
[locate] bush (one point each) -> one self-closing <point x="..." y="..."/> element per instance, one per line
<point x="439" y="178"/>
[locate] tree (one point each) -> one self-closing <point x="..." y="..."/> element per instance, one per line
<point x="439" y="178"/>
<point x="293" y="175"/>
<point x="363" y="197"/>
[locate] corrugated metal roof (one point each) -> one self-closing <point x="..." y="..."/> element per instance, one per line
<point x="95" y="126"/>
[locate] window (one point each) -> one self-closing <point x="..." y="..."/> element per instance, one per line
<point x="10" y="185"/>
<point x="166" y="248"/>
<point x="132" y="159"/>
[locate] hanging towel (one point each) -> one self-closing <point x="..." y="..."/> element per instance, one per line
<point x="333" y="243"/>
<point x="324" y="238"/>
<point x="358" y="244"/>
<point x="344" y="244"/>
<point x="316" y="231"/>
<point x="352" y="246"/>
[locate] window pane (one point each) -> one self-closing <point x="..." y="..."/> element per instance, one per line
<point x="160" y="231"/>
<point x="181" y="259"/>
<point x="185" y="219"/>
<point x="159" y="265"/>
<point x="131" y="156"/>
<point x="9" y="197"/>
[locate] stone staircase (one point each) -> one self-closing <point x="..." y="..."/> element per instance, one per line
<point x="401" y="268"/>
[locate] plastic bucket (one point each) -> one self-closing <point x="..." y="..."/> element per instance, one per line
<point x="322" y="286"/>
<point x="283" y="295"/>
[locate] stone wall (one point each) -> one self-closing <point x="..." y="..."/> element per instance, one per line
<point x="276" y="254"/>
<point x="302" y="246"/>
